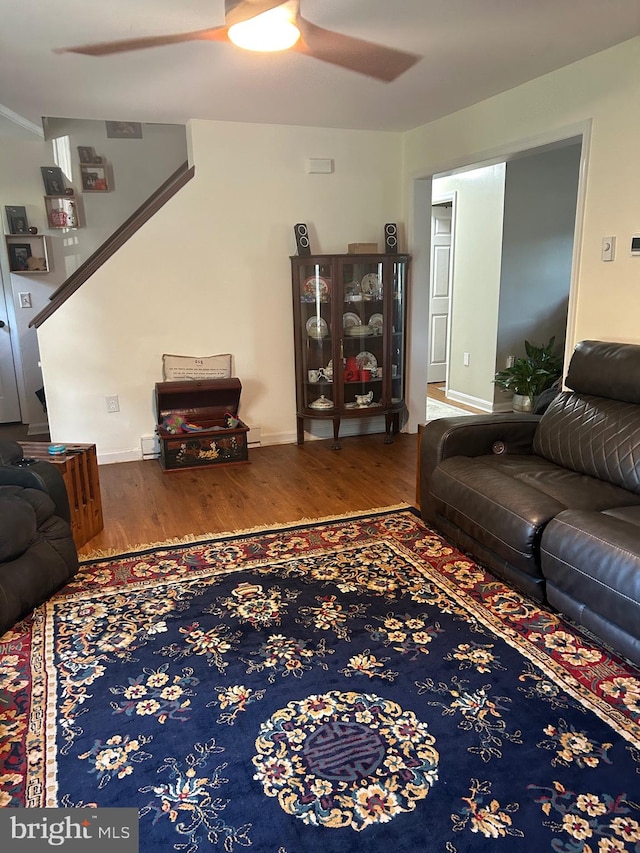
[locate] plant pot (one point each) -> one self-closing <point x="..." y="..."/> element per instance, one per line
<point x="522" y="403"/>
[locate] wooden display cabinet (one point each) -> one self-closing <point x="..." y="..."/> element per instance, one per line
<point x="349" y="316"/>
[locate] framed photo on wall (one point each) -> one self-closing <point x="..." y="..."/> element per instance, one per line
<point x="18" y="256"/>
<point x="53" y="180"/>
<point x="16" y="219"/>
<point x="124" y="130"/>
<point x="94" y="179"/>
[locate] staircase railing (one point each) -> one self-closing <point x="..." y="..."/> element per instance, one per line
<point x="147" y="209"/>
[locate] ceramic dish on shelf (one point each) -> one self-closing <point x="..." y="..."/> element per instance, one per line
<point x="314" y="287"/>
<point x="366" y="361"/>
<point x="360" y="331"/>
<point x="317" y="327"/>
<point x="370" y="284"/>
<point x="376" y="322"/>
<point x="321" y="403"/>
<point x="349" y="319"/>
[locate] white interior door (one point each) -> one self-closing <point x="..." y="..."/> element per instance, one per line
<point x="9" y="401"/>
<point x="439" y="292"/>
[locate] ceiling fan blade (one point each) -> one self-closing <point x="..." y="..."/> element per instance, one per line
<point x="374" y="60"/>
<point x="237" y="11"/>
<point x="105" y="48"/>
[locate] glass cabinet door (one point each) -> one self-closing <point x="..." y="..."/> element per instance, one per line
<point x="362" y="321"/>
<point x="398" y="295"/>
<point x="315" y="330"/>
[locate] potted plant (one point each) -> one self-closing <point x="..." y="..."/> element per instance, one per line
<point x="530" y="376"/>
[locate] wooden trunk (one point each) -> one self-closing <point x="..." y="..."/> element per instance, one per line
<point x="207" y="404"/>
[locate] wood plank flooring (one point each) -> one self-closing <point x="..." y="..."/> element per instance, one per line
<point x="282" y="483"/>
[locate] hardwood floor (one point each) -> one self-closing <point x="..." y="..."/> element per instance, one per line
<point x="282" y="483"/>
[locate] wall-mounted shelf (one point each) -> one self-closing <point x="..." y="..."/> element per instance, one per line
<point x="62" y="211"/>
<point x="25" y="251"/>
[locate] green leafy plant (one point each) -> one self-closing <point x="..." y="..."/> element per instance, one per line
<point x="533" y="374"/>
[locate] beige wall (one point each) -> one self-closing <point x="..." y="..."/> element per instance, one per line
<point x="210" y="273"/>
<point x="604" y="90"/>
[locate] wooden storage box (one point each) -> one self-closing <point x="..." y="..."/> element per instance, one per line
<point x="203" y="403"/>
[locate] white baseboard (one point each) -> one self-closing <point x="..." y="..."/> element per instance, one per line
<point x="119" y="456"/>
<point x="321" y="430"/>
<point x="318" y="431"/>
<point x="468" y="400"/>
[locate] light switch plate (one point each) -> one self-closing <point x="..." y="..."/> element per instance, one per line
<point x="608" y="248"/>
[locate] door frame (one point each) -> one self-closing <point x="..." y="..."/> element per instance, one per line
<point x="445" y="198"/>
<point x="6" y="299"/>
<point x="419" y="193"/>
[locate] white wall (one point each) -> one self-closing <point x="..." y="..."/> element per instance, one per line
<point x="210" y="273"/>
<point x="138" y="166"/>
<point x="477" y="253"/>
<point x="603" y="89"/>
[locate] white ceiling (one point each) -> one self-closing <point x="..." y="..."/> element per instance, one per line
<point x="471" y="49"/>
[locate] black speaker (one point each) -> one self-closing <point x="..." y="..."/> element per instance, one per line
<point x="391" y="238"/>
<point x="302" y="238"/>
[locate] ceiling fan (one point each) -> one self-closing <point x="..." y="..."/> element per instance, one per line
<point x="373" y="60"/>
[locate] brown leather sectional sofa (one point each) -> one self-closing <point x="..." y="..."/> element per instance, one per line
<point x="551" y="503"/>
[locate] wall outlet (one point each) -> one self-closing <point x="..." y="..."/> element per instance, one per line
<point x="25" y="300"/>
<point x="511" y="360"/>
<point x="465" y="359"/>
<point x="113" y="404"/>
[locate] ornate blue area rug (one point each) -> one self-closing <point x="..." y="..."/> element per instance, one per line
<point x="339" y="685"/>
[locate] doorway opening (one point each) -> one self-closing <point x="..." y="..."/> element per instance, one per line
<point x="501" y="264"/>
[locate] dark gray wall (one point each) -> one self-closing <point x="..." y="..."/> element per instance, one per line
<point x="537" y="248"/>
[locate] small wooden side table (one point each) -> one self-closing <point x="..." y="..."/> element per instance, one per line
<point x="79" y="469"/>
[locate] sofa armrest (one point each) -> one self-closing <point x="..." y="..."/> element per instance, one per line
<point x="473" y="435"/>
<point x="40" y="475"/>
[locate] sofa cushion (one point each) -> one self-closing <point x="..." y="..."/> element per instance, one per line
<point x="488" y="504"/>
<point x="17" y="528"/>
<point x="593" y="559"/>
<point x="504" y="502"/>
<point x="594" y="436"/>
<point x="630" y="514"/>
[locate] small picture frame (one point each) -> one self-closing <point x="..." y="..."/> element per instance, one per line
<point x="124" y="129"/>
<point x="53" y="180"/>
<point x="85" y="154"/>
<point x="16" y="219"/>
<point x="94" y="179"/>
<point x="18" y="256"/>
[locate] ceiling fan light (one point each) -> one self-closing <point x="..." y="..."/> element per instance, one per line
<point x="271" y="31"/>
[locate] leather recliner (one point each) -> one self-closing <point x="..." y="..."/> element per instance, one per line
<point x="551" y="503"/>
<point x="37" y="551"/>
